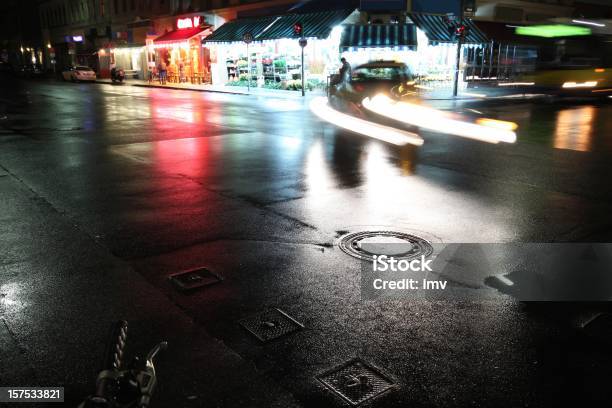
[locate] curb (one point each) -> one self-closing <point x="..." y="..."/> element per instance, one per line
<point x="173" y="88"/>
<point x="279" y="95"/>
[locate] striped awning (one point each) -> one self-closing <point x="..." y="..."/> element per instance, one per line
<point x="378" y="35"/>
<point x="315" y="25"/>
<point x="234" y="30"/>
<point x="435" y="26"/>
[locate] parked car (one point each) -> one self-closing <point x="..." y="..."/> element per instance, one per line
<point x="30" y="71"/>
<point x="5" y="67"/>
<point x="79" y="73"/>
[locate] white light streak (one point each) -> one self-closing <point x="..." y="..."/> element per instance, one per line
<point x="320" y="107"/>
<point x="433" y="119"/>
<point x="587" y="84"/>
<point x="591" y="23"/>
<point x="516" y="84"/>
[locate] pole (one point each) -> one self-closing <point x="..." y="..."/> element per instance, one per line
<point x="248" y="70"/>
<point x="458" y="62"/>
<point x="303" y="93"/>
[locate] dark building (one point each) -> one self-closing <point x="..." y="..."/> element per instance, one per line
<point x="20" y="35"/>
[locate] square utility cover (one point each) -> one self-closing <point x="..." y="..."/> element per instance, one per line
<point x="356" y="381"/>
<point x="193" y="279"/>
<point x="270" y="324"/>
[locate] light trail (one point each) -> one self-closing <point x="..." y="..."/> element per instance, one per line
<point x="320" y="107"/>
<point x="488" y="130"/>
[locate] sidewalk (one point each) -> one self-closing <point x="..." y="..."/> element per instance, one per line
<point x="234" y="90"/>
<point x="439" y="97"/>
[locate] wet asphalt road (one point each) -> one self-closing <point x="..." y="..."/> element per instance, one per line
<point x="106" y="190"/>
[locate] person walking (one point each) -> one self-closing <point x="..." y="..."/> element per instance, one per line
<point x="345" y="70"/>
<point x="163" y="69"/>
<point x="151" y="71"/>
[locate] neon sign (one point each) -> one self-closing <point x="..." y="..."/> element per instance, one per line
<point x="189" y="22"/>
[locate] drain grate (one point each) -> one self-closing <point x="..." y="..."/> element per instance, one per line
<point x="193" y="279"/>
<point x="366" y="244"/>
<point x="355" y="381"/>
<point x="270" y="324"/>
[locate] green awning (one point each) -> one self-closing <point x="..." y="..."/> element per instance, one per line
<point x="436" y="27"/>
<point x="315" y="25"/>
<point x="234" y="30"/>
<point x="378" y="35"/>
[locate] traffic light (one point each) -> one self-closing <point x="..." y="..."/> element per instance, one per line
<point x="298" y="30"/>
<point x="462" y="31"/>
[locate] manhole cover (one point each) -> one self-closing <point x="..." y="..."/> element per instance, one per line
<point x="193" y="279"/>
<point x="356" y="381"/>
<point x="271" y="324"/>
<point x="366" y="244"/>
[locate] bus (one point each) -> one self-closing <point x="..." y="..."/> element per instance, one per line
<point x="570" y="60"/>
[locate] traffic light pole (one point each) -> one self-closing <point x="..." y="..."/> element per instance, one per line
<point x="248" y="70"/>
<point x="458" y="61"/>
<point x="303" y="93"/>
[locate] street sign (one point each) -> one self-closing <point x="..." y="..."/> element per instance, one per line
<point x="247" y="38"/>
<point x="303" y="42"/>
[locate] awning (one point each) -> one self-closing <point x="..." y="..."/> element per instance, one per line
<point x="234" y="30"/>
<point x="378" y="35"/>
<point x="315" y="25"/>
<point x="179" y="35"/>
<point x="436" y="28"/>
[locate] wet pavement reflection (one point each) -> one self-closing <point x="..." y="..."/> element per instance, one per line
<point x="143" y="183"/>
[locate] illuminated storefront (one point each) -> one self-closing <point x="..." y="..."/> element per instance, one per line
<point x="181" y="51"/>
<point x="436" y="53"/>
<point x="361" y="43"/>
<point x="274" y="54"/>
<point x="133" y="60"/>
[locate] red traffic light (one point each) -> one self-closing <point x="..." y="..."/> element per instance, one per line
<point x="461" y="31"/>
<point x="298" y="29"/>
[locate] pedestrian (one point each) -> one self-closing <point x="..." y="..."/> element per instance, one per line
<point x="182" y="72"/>
<point x="162" y="68"/>
<point x="345" y="70"/>
<point x="151" y="70"/>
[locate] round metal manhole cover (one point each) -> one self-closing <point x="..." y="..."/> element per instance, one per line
<point x="366" y="244"/>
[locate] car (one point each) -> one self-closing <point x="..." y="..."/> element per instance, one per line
<point x="30" y="71"/>
<point x="79" y="73"/>
<point x="5" y="67"/>
<point x="391" y="78"/>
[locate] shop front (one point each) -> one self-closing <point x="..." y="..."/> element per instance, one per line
<point x="181" y="52"/>
<point x="125" y="50"/>
<point x="436" y="52"/>
<point x="132" y="59"/>
<point x="266" y="53"/>
<point x="361" y="43"/>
